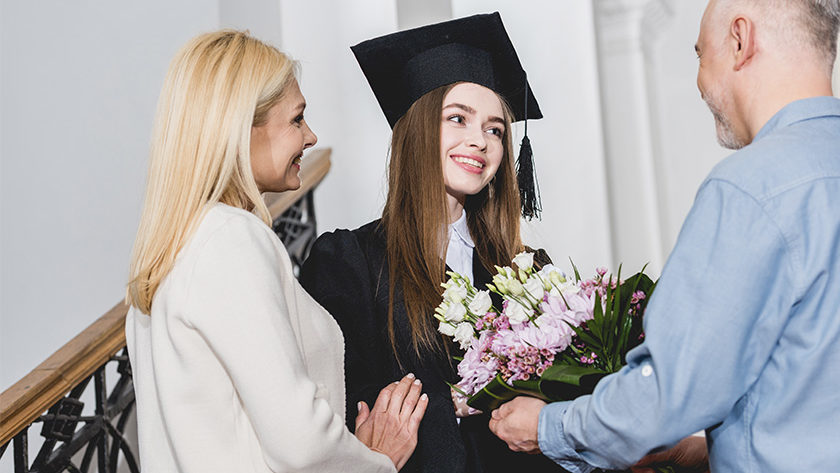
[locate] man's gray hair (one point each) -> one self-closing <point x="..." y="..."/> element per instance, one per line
<point x="822" y="19"/>
<point x="814" y="23"/>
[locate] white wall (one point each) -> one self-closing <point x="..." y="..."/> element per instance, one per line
<point x="341" y="109"/>
<point x="79" y="86"/>
<point x="687" y="147"/>
<point x="556" y="44"/>
<point x="836" y="77"/>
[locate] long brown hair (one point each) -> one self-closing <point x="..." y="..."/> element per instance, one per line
<point x="416" y="216"/>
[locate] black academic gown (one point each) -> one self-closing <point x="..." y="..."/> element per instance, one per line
<point x="347" y="273"/>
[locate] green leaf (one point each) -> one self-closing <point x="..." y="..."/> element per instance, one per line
<point x="456" y="388"/>
<point x="497" y="392"/>
<point x="588" y="339"/>
<point x="565" y="382"/>
<point x="574" y="268"/>
<point x="597" y="321"/>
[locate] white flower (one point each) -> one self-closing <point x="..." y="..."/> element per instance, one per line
<point x="501" y="283"/>
<point x="446" y="329"/>
<point x="481" y="303"/>
<point x="535" y="288"/>
<point x="464" y="334"/>
<point x="455" y="293"/>
<point x="455" y="312"/>
<point x="517" y="313"/>
<point x="514" y="287"/>
<point x="505" y="271"/>
<point x="524" y="260"/>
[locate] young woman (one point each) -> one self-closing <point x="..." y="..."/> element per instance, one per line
<point x="453" y="201"/>
<point x="235" y="367"/>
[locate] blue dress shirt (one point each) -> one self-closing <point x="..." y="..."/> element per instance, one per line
<point x="743" y="330"/>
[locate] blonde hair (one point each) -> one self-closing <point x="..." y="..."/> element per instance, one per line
<point x="218" y="86"/>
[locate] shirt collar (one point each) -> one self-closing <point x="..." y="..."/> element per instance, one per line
<point x="461" y="229"/>
<point x="799" y="110"/>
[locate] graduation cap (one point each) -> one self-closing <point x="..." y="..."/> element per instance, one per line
<point x="402" y="67"/>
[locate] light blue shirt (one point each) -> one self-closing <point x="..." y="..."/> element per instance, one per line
<point x="743" y="330"/>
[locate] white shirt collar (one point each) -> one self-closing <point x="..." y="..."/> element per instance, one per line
<point x="461" y="230"/>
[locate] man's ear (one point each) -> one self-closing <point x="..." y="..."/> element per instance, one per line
<point x="742" y="37"/>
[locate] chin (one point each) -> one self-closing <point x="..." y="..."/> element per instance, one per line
<point x="292" y="186"/>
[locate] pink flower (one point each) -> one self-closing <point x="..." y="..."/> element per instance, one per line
<point x="478" y="367"/>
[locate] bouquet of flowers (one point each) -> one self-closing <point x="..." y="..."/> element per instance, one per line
<point x="547" y="335"/>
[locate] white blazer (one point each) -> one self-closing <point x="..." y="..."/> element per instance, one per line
<point x="237" y="369"/>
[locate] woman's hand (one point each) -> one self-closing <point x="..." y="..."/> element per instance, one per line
<point x="461" y="407"/>
<point x="391" y="427"/>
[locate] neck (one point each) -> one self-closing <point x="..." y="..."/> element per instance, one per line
<point x="768" y="97"/>
<point x="455" y="206"/>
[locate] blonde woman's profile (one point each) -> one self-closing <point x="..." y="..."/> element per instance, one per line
<point x="235" y="367"/>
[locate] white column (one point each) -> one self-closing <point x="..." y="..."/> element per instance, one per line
<point x="624" y="31"/>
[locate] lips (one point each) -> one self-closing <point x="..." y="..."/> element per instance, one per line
<point x="470" y="163"/>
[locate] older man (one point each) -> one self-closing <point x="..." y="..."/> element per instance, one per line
<point x="743" y="332"/>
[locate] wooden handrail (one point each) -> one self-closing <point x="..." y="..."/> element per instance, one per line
<point x="23" y="402"/>
<point x="27" y="399"/>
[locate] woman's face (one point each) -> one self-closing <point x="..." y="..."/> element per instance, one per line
<point x="278" y="144"/>
<point x="471" y="138"/>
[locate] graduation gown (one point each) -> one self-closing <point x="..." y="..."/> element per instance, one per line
<point x="347" y="273"/>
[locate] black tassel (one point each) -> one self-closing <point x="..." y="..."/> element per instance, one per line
<point x="529" y="188"/>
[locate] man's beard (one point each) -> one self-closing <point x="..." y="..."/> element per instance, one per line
<point x="723" y="127"/>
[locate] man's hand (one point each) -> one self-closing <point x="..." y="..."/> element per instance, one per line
<point x="688" y="456"/>
<point x="516" y="422"/>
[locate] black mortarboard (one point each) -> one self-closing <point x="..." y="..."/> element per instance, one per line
<point x="401" y="67"/>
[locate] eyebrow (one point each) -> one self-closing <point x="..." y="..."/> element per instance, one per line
<point x="471" y="111"/>
<point x="301" y="106"/>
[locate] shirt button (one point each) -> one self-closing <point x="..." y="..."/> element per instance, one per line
<point x="647" y="370"/>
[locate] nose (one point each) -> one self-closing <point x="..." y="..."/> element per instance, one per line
<point x="309" y="138"/>
<point x="476" y="138"/>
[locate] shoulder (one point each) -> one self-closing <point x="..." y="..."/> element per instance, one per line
<point x="224" y="226"/>
<point x="232" y="258"/>
<point x="343" y="243"/>
<point x="230" y="240"/>
<point x="782" y="160"/>
<point x="342" y="254"/>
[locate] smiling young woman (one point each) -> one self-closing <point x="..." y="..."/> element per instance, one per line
<point x="450" y="91"/>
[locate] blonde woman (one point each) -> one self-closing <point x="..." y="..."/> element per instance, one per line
<point x="235" y="367"/>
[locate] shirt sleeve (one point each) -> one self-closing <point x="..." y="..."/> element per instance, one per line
<point x="715" y="316"/>
<point x="337" y="275"/>
<point x="238" y="303"/>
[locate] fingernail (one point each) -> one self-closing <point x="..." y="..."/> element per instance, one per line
<point x="417" y="381"/>
<point x="410" y="375"/>
<point x="359" y="406"/>
<point x="424" y="397"/>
